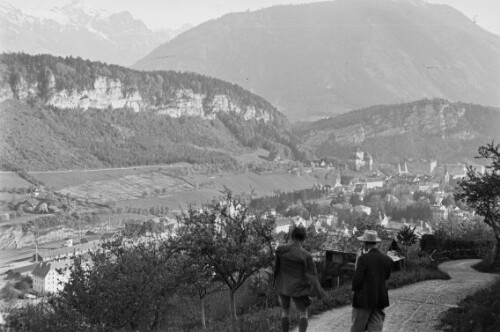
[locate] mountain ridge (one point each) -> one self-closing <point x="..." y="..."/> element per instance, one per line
<point x="171" y="116"/>
<point x="315" y="60"/>
<point x="429" y="129"/>
<point x="105" y="36"/>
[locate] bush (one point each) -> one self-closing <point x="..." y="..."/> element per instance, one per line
<point x="416" y="271"/>
<point x="24" y="285"/>
<point x="454" y="248"/>
<point x="8" y="292"/>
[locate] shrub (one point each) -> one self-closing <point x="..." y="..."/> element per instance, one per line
<point x="8" y="292"/>
<point x="25" y="284"/>
<point x="416" y="271"/>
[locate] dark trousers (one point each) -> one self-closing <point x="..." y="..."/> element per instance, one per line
<point x="371" y="320"/>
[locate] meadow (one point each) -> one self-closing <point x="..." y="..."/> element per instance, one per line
<point x="60" y="179"/>
<point x="12" y="180"/>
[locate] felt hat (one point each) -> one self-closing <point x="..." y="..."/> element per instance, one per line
<point x="369" y="236"/>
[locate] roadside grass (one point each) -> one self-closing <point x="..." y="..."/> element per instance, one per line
<point x="477" y="312"/>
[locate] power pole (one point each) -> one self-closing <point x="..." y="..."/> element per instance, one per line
<point x="36" y="241"/>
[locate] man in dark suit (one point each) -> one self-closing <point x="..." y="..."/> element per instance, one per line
<point x="369" y="286"/>
<point x="295" y="278"/>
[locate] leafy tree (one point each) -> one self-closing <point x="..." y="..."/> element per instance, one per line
<point x="8" y="292"/>
<point x="407" y="237"/>
<point x="228" y="238"/>
<point x="25" y="284"/>
<point x="448" y="201"/>
<point x="355" y="200"/>
<point x="364" y="222"/>
<point x="482" y="193"/>
<point x="128" y="284"/>
<point x="197" y="279"/>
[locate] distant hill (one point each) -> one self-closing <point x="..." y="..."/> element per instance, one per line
<point x="76" y="30"/>
<point x="72" y="113"/>
<point x="425" y="129"/>
<point x="320" y="59"/>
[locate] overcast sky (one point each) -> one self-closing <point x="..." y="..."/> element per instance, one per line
<point x="174" y="13"/>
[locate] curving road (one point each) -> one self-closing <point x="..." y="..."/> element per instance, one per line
<point x="415" y="307"/>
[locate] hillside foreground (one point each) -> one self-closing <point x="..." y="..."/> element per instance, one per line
<point x="415" y="307"/>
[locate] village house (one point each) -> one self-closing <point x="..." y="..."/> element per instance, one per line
<point x="21" y="271"/>
<point x="282" y="224"/>
<point x="363" y="209"/>
<point x="374" y="183"/>
<point x="50" y="277"/>
<point x="66" y="252"/>
<point x="418" y="167"/>
<point x="360" y="190"/>
<point x="361" y="160"/>
<point x="439" y="212"/>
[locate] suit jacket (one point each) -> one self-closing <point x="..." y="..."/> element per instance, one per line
<point x="369" y="282"/>
<point x="295" y="273"/>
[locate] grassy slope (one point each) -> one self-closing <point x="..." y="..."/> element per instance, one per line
<point x="477" y="312"/>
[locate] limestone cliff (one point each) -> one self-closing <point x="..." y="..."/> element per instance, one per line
<point x="107" y="93"/>
<point x="74" y="113"/>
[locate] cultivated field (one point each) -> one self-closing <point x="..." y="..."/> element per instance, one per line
<point x="212" y="187"/>
<point x="61" y="179"/>
<point x="12" y="180"/>
<point x="128" y="187"/>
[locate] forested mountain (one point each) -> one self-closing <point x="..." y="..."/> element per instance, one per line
<point x="116" y="38"/>
<point x="68" y="112"/>
<point x="424" y="129"/>
<point x="319" y="59"/>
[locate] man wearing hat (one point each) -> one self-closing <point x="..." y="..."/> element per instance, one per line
<point x="369" y="285"/>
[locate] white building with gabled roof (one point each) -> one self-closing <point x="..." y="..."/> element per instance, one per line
<point x="50" y="277"/>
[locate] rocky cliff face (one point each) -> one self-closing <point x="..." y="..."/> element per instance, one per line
<point x="111" y="93"/>
<point x="74" y="113"/>
<point x="445" y="120"/>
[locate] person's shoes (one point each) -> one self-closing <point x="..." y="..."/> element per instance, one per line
<point x="285" y="324"/>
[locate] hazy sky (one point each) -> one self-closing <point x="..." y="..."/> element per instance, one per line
<point x="174" y="13"/>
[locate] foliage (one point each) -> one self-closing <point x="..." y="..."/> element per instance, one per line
<point x="198" y="279"/>
<point x="122" y="137"/>
<point x="477" y="312"/>
<point x="128" y="284"/>
<point x="416" y="271"/>
<point x="406" y="237"/>
<point x="8" y="292"/>
<point x="228" y="238"/>
<point x="440" y="246"/>
<point x="482" y="192"/>
<point x="283" y="202"/>
<point x="25" y="284"/>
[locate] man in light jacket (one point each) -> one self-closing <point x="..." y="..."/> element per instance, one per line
<point x="369" y="286"/>
<point x="295" y="278"/>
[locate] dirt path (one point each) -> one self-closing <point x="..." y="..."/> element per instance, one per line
<point x="415" y="307"/>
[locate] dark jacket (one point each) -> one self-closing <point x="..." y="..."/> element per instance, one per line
<point x="295" y="273"/>
<point x="369" y="282"/>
